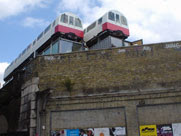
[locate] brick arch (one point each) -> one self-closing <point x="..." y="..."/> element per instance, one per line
<point x="3" y="124"/>
<point x="9" y="114"/>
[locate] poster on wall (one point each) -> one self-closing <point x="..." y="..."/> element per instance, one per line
<point x="176" y="129"/>
<point x="86" y="132"/>
<point x="164" y="130"/>
<point x="115" y="131"/>
<point x="118" y="131"/>
<point x="148" y="130"/>
<point x="58" y="133"/>
<point x="101" y="131"/>
<point x="72" y="132"/>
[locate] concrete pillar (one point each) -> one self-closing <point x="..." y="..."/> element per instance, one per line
<point x="132" y="120"/>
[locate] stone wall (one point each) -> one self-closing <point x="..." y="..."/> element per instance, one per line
<point x="27" y="121"/>
<point x="128" y="87"/>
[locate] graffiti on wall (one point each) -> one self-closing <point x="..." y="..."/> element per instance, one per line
<point x="139" y="51"/>
<point x="176" y="46"/>
<point x="164" y="130"/>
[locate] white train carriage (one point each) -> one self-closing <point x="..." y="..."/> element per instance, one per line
<point x="67" y="24"/>
<point x="112" y="21"/>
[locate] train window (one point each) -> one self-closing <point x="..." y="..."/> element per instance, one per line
<point x="34" y="42"/>
<point x="55" y="48"/>
<point x="78" y="22"/>
<point x="123" y="20"/>
<point x="19" y="55"/>
<point x="64" y="18"/>
<point x="29" y="46"/>
<point x="54" y="22"/>
<point x="48" y="28"/>
<point x="24" y="51"/>
<point x="40" y="36"/>
<point x="47" y="51"/>
<point x="117" y="18"/>
<point x="84" y="31"/>
<point x="71" y="20"/>
<point x="111" y="16"/>
<point x="91" y="26"/>
<point x="100" y="21"/>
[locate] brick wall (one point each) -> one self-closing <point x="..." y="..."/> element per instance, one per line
<point x="111" y="70"/>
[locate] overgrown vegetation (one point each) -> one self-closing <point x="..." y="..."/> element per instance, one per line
<point x="68" y="84"/>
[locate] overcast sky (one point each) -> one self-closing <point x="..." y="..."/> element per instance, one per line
<point x="21" y="21"/>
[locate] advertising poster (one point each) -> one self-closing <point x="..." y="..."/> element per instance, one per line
<point x="58" y="133"/>
<point x="115" y="131"/>
<point x="176" y="129"/>
<point x="72" y="132"/>
<point x="164" y="130"/>
<point x="148" y="130"/>
<point x="118" y="131"/>
<point x="86" y="132"/>
<point x="62" y="133"/>
<point x="101" y="132"/>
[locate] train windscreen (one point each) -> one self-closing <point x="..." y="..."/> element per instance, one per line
<point x="64" y="18"/>
<point x="78" y="22"/>
<point x="111" y="16"/>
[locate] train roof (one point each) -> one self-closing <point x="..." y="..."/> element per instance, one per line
<point x="116" y="11"/>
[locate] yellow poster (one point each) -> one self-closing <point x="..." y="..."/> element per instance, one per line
<point x="148" y="130"/>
